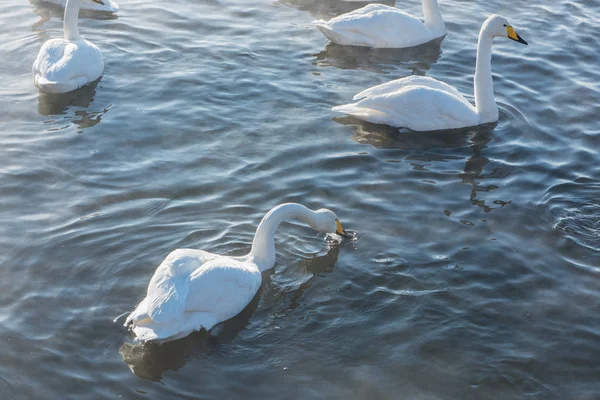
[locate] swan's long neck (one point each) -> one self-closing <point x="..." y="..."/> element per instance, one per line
<point x="484" y="85"/>
<point x="433" y="17"/>
<point x="70" y="21"/>
<point x="263" y="247"/>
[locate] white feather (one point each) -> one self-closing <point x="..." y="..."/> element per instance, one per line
<point x="380" y="26"/>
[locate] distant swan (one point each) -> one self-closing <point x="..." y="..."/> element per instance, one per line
<point x="63" y="65"/>
<point x="194" y="289"/>
<point x="108" y="6"/>
<point x="424" y="104"/>
<point x="381" y="26"/>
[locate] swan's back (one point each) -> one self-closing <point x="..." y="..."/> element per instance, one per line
<point x="191" y="290"/>
<point x="375" y="26"/>
<point x="414" y="80"/>
<point x="64" y="65"/>
<point x="419" y="108"/>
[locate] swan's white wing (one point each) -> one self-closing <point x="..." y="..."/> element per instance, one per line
<point x="168" y="288"/>
<point x="191" y="290"/>
<point x="418" y="108"/>
<point x="365" y="10"/>
<point x="376" y="26"/>
<point x="414" y="80"/>
<point x="223" y="288"/>
<point x="63" y="65"/>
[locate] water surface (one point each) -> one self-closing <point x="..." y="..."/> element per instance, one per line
<point x="475" y="273"/>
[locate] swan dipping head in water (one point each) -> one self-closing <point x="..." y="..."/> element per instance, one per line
<point x="194" y="289"/>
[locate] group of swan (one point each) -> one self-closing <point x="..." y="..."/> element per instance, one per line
<point x="416" y="102"/>
<point x="421" y="103"/>
<point x="194" y="289"/>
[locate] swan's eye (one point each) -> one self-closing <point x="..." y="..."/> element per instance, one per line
<point x="505" y="25"/>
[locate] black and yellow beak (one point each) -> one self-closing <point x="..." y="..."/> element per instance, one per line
<point x="339" y="229"/>
<point x="512" y="34"/>
<point x="98" y="1"/>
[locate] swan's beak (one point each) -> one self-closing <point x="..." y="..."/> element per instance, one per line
<point x="98" y="1"/>
<point x="339" y="229"/>
<point x="514" y="35"/>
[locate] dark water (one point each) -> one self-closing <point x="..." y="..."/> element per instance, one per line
<point x="476" y="271"/>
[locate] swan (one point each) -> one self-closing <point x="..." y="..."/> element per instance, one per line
<point x="193" y="289"/>
<point x="420" y="103"/>
<point x="63" y="65"/>
<point x="381" y="26"/>
<point x="109" y="6"/>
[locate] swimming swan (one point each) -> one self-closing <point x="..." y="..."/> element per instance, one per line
<point x="381" y="26"/>
<point x="63" y="65"/>
<point x="420" y="103"/>
<point x="109" y="6"/>
<point x="194" y="289"/>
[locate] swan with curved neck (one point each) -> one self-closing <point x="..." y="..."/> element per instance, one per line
<point x="193" y="289"/>
<point x="63" y="65"/>
<point x="420" y="103"/>
<point x="381" y="26"/>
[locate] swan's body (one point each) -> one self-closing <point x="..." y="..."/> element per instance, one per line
<point x="63" y="65"/>
<point x="193" y="289"/>
<point x="109" y="6"/>
<point x="381" y="26"/>
<point x="425" y="104"/>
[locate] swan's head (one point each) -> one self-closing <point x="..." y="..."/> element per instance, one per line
<point x="497" y="25"/>
<point x="327" y="222"/>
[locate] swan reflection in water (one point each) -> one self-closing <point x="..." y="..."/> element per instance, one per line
<point x="278" y="294"/>
<point x="417" y="59"/>
<point x="58" y="104"/>
<point x="478" y="137"/>
<point x="46" y="11"/>
<point x="330" y="8"/>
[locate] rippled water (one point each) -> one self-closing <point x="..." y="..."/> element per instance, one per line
<point x="476" y="272"/>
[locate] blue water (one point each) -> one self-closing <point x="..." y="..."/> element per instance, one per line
<point x="476" y="269"/>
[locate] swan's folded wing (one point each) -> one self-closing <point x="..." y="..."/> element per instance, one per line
<point x="61" y="61"/>
<point x="416" y="107"/>
<point x="169" y="286"/>
<point x="385" y="27"/>
<point x="414" y="80"/>
<point x="223" y="287"/>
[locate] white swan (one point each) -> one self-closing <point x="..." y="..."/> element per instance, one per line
<point x="109" y="6"/>
<point x="424" y="104"/>
<point x="381" y="26"/>
<point x="194" y="289"/>
<point x="63" y="65"/>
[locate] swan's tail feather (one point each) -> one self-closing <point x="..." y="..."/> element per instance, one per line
<point x="363" y="113"/>
<point x="324" y="27"/>
<point x="54" y="87"/>
<point x="146" y="329"/>
<point x="139" y="315"/>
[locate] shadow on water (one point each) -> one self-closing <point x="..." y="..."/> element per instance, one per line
<point x="58" y="104"/>
<point x="295" y="279"/>
<point x="477" y="138"/>
<point x="329" y="8"/>
<point x="419" y="59"/>
<point x="149" y="361"/>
